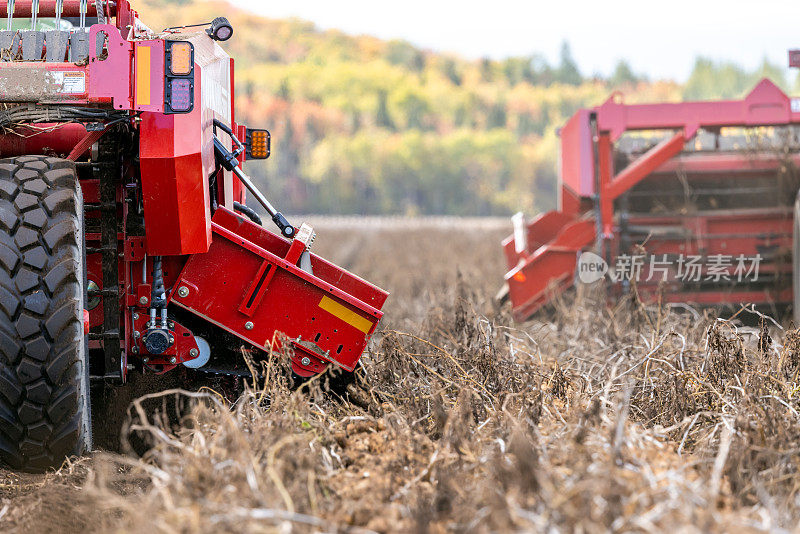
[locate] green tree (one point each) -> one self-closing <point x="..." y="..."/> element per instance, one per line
<point x="623" y="74"/>
<point x="382" y="116"/>
<point x="567" y="71"/>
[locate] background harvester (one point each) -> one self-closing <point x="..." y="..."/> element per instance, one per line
<point x="674" y="198"/>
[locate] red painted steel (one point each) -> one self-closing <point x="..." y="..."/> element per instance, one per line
<point x="548" y="270"/>
<point x="180" y="350"/>
<point x="245" y="257"/>
<point x="765" y="105"/>
<point x="648" y="163"/>
<point x="85" y="143"/>
<point x="577" y="165"/>
<point x="45" y="139"/>
<point x="174" y="187"/>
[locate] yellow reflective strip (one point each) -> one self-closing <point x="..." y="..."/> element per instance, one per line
<point x="346" y="315"/>
<point x="142" y="75"/>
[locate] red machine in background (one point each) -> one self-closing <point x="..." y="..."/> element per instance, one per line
<point x="125" y="240"/>
<point x="704" y="185"/>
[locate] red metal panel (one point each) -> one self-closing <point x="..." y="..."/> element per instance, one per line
<point x="550" y="270"/>
<point x="174" y="186"/>
<point x="577" y="162"/>
<point x="332" y="324"/>
<point x="110" y="75"/>
<point x="794" y="58"/>
<point x="336" y="278"/>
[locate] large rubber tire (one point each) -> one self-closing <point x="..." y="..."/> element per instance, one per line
<point x="44" y="376"/>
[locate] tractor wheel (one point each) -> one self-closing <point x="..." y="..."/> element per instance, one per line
<point x="44" y="375"/>
<point x="796" y="262"/>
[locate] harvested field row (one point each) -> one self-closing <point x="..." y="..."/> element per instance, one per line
<point x="632" y="418"/>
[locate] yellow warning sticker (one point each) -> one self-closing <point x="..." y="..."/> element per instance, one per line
<point x="142" y="75"/>
<point x="345" y="314"/>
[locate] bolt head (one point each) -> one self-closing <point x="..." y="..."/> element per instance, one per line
<point x="136" y="334"/>
<point x="194" y="353"/>
<point x="145" y="359"/>
<point x="171" y="324"/>
<point x="183" y="291"/>
<point x="94" y="300"/>
<point x="143" y="300"/>
<point x="248" y="325"/>
<point x="305" y="361"/>
<point x="172" y="359"/>
<point x="135" y="316"/>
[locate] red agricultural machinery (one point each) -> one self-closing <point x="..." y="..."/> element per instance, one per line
<point x="125" y="240"/>
<point x="688" y="203"/>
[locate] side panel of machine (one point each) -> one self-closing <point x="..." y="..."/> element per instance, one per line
<point x="177" y="158"/>
<point x="577" y="166"/>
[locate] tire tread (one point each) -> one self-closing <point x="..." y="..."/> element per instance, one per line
<point x="41" y="299"/>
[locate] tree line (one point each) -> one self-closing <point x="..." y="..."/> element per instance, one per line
<point x="366" y="126"/>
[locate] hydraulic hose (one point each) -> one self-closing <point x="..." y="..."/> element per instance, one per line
<point x="250" y="213"/>
<point x="158" y="298"/>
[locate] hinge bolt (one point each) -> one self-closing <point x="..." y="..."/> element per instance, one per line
<point x="306" y="360"/>
<point x="248" y="325"/>
<point x="183" y="292"/>
<point x="194" y="353"/>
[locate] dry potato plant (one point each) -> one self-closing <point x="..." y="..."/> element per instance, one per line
<point x="589" y="419"/>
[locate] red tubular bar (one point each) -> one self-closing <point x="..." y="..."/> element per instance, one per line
<point x="61" y="140"/>
<point x="643" y="166"/>
<point x="766" y="105"/>
<point x="47" y="8"/>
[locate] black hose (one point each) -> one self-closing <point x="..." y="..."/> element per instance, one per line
<point x="249" y="212"/>
<point x="158" y="298"/>
<point x="36" y="114"/>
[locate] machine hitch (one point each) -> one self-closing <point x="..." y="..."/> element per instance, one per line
<point x="228" y="160"/>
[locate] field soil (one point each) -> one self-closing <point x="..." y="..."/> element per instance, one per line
<point x="590" y="418"/>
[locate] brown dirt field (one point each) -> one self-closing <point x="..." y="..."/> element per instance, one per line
<point x="632" y="418"/>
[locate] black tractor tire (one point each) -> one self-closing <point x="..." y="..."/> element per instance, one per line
<point x="44" y="375"/>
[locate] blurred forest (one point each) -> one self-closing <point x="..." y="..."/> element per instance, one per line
<point x="366" y="126"/>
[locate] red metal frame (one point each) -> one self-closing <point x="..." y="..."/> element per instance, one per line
<point x="545" y="263"/>
<point x="249" y="284"/>
<point x="239" y="277"/>
<point x="47" y="8"/>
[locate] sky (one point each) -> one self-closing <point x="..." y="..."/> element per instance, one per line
<point x="660" y="39"/>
